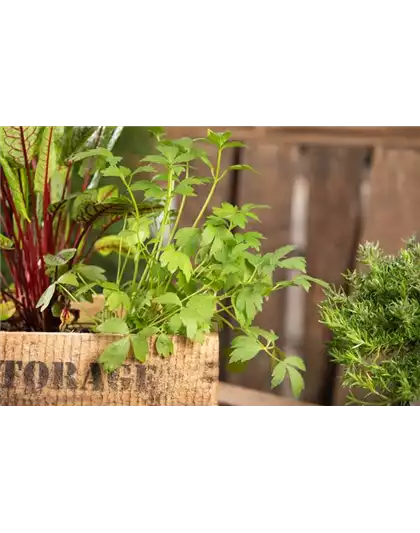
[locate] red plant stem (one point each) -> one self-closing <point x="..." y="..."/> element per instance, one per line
<point x="47" y="199"/>
<point x="16" y="238"/>
<point x="34" y="215"/>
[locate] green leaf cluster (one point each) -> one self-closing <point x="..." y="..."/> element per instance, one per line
<point x="376" y="326"/>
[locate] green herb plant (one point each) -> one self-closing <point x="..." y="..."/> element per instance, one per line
<point x="189" y="281"/>
<point x="376" y="327"/>
<point x="51" y="199"/>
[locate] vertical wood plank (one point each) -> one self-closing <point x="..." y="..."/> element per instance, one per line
<point x="335" y="176"/>
<point x="273" y="187"/>
<point x="393" y="212"/>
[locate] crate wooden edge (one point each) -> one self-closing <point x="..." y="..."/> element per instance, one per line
<point x="234" y="395"/>
<point x="369" y="136"/>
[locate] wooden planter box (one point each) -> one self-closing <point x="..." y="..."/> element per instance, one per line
<point x="62" y="369"/>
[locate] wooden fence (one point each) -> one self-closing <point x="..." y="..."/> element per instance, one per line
<point x="329" y="189"/>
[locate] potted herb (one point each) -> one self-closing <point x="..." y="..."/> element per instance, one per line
<point x="156" y="336"/>
<point x="376" y="327"/>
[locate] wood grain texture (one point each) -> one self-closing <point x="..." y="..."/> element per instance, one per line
<point x="335" y="176"/>
<point x="61" y="369"/>
<point x="346" y="136"/>
<point x="393" y="210"/>
<point x="234" y="395"/>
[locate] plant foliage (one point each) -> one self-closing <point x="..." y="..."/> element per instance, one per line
<point x="195" y="279"/>
<point x="41" y="219"/>
<point x="376" y="326"/>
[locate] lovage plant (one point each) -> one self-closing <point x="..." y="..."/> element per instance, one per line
<point x="186" y="281"/>
<point x="376" y="327"/>
<point x="49" y="204"/>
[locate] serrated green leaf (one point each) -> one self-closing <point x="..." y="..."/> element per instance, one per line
<point x="117" y="299"/>
<point x="184" y="189"/>
<point x="14" y="186"/>
<point x="169" y="298"/>
<point x="60" y="258"/>
<point x="175" y="324"/>
<point x="119" y="172"/>
<point x="302" y="281"/>
<point x="175" y="260"/>
<point x="269" y="336"/>
<point x="168" y="152"/>
<point x="203" y="305"/>
<point x="248" y="302"/>
<point x="278" y="375"/>
<point x="164" y="345"/>
<point x="294" y="263"/>
<point x="68" y="279"/>
<point x="144" y="168"/>
<point x="296" y="362"/>
<point x="157" y="131"/>
<point x="90" y="272"/>
<point x="185" y="158"/>
<point x="296" y="381"/>
<point x="151" y="189"/>
<point x="5" y="243"/>
<point x="204" y="158"/>
<point x="189" y="319"/>
<point x="187" y="240"/>
<point x="149" y="331"/>
<point x="113" y="325"/>
<point x="155" y="159"/>
<point x="140" y="347"/>
<point x="244" y="348"/>
<point x="46" y="297"/>
<point x="115" y="354"/>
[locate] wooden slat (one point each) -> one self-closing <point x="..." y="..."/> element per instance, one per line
<point x="234" y="395"/>
<point x="403" y="137"/>
<point x="272" y="187"/>
<point x="393" y="209"/>
<point x="335" y="176"/>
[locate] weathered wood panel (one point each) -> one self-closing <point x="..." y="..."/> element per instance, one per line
<point x="233" y="395"/>
<point x="273" y="187"/>
<point x="393" y="209"/>
<point x="335" y="176"/>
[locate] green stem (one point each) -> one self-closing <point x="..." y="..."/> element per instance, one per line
<point x="213" y="188"/>
<point x="178" y="218"/>
<point x="263" y="346"/>
<point x="159" y="239"/>
<point x="68" y="293"/>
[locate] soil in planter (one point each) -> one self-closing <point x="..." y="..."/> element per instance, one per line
<point x="21" y="327"/>
<point x="16" y="326"/>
